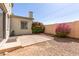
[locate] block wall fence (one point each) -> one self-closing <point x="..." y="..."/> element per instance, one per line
<point x="50" y="29"/>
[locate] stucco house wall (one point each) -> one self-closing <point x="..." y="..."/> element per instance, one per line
<point x="16" y="25"/>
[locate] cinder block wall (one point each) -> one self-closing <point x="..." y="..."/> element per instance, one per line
<point x="50" y="29"/>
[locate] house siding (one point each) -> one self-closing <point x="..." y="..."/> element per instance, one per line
<point x="16" y="26"/>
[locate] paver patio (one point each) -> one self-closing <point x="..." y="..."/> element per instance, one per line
<point x="51" y="47"/>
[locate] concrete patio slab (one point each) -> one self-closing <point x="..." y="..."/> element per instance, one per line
<point x="11" y="44"/>
<point x="26" y="40"/>
<point x="12" y="39"/>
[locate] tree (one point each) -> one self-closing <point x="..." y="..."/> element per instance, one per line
<point x="37" y="27"/>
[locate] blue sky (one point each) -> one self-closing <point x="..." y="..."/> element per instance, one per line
<point x="48" y="13"/>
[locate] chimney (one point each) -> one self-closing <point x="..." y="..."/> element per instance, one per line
<point x="30" y="14"/>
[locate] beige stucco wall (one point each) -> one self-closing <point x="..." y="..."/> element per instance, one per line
<point x="76" y="29"/>
<point x="50" y="29"/>
<point x="16" y="26"/>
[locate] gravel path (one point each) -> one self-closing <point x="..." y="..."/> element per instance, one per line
<point x="53" y="47"/>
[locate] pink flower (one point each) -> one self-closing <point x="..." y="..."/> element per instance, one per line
<point x="63" y="29"/>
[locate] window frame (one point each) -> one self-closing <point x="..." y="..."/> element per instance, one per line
<point x="24" y="25"/>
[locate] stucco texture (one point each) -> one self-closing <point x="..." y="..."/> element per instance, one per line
<point x="16" y="25"/>
<point x="50" y="29"/>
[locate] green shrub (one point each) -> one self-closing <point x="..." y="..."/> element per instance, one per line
<point x="37" y="27"/>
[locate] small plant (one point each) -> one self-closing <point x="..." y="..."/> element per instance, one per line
<point x="62" y="30"/>
<point x="37" y="27"/>
<point x="12" y="33"/>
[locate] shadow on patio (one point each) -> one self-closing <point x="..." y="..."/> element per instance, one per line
<point x="66" y="39"/>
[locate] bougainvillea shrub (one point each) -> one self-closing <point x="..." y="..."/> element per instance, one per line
<point x="37" y="27"/>
<point x="62" y="30"/>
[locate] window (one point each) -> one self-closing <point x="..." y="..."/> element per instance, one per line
<point x="24" y="25"/>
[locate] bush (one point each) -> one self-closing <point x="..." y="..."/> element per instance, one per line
<point x="62" y="30"/>
<point x="37" y="27"/>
